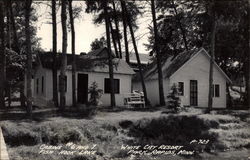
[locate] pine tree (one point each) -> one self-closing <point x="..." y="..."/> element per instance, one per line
<point x="2" y="57"/>
<point x="54" y="41"/>
<point x="174" y="99"/>
<point x="73" y="53"/>
<point x="95" y="94"/>
<point x="136" y="52"/>
<point x="64" y="56"/>
<point x="158" y="57"/>
<point x="111" y="72"/>
<point x="29" y="56"/>
<point x="211" y="72"/>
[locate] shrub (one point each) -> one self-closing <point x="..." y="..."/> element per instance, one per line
<point x="16" y="136"/>
<point x="95" y="94"/>
<point x="90" y="109"/>
<point x="72" y="136"/>
<point x="125" y="124"/>
<point x="174" y="130"/>
<point x="173" y="99"/>
<point x="109" y="127"/>
<point x="87" y="111"/>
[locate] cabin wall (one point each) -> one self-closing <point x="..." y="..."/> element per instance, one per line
<point x="152" y="88"/>
<point x="43" y="99"/>
<point x="125" y="86"/>
<point x="198" y="69"/>
<point x="195" y="69"/>
<point x="39" y="87"/>
<point x="49" y="83"/>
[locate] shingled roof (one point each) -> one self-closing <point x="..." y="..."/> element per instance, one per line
<point x="101" y="52"/>
<point x="169" y="65"/>
<point x="172" y="64"/>
<point x="86" y="63"/>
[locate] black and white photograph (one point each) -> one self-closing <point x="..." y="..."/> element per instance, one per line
<point x="124" y="80"/>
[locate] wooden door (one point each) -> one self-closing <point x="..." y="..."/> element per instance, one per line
<point x="82" y="88"/>
<point x="193" y="93"/>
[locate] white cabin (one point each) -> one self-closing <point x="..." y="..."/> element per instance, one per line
<point x="89" y="69"/>
<point x="190" y="72"/>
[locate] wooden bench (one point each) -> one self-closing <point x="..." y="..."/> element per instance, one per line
<point x="134" y="99"/>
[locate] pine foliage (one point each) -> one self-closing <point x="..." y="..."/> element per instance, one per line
<point x="174" y="99"/>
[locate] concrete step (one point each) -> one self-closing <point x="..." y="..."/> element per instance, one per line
<point x="3" y="150"/>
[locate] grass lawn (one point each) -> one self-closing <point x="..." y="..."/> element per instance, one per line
<point x="227" y="132"/>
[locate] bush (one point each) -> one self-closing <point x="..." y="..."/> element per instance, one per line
<point x="90" y="109"/>
<point x="71" y="136"/>
<point x="16" y="136"/>
<point x="55" y="134"/>
<point x="87" y="111"/>
<point x="125" y="124"/>
<point x="109" y="127"/>
<point x="95" y="94"/>
<point x="173" y="99"/>
<point x="173" y="130"/>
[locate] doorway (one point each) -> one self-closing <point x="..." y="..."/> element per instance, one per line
<point x="193" y="93"/>
<point x="82" y="88"/>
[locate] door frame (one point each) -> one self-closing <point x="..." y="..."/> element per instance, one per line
<point x="82" y="91"/>
<point x="193" y="93"/>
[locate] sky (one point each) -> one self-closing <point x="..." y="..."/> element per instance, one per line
<point x="85" y="30"/>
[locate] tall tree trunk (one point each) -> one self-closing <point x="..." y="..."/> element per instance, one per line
<point x="136" y="53"/>
<point x="180" y="26"/>
<point x="8" y="83"/>
<point x="113" y="38"/>
<point x="73" y="54"/>
<point x="16" y="47"/>
<point x="111" y="73"/>
<point x="158" y="57"/>
<point x="124" y="20"/>
<point x="64" y="58"/>
<point x="210" y="93"/>
<point x="54" y="42"/>
<point x="117" y="30"/>
<point x="29" y="57"/>
<point x="248" y="62"/>
<point x="2" y="57"/>
<point x="246" y="68"/>
<point x="8" y="26"/>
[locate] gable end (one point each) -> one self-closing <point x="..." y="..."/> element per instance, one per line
<point x="202" y="50"/>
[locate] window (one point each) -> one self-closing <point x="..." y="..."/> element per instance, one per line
<point x="42" y="84"/>
<point x="193" y="92"/>
<point x="181" y="88"/>
<point x="65" y="87"/>
<point x="37" y="85"/>
<point x="216" y="90"/>
<point x="107" y="87"/>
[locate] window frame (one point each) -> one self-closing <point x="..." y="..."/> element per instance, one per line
<point x="42" y="89"/>
<point x="116" y="86"/>
<point x="37" y="85"/>
<point x="181" y="87"/>
<point x="216" y="90"/>
<point x="66" y="85"/>
<point x="193" y="92"/>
